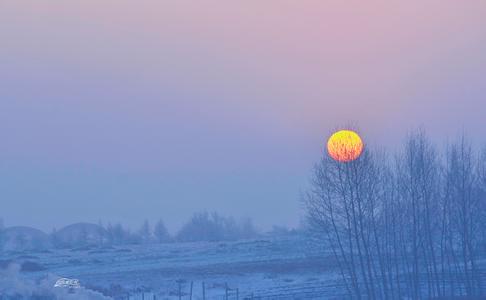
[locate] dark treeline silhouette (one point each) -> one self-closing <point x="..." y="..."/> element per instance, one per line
<point x="214" y="227"/>
<point x="200" y="227"/>
<point x="408" y="226"/>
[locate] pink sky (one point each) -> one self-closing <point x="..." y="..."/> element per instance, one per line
<point x="166" y="100"/>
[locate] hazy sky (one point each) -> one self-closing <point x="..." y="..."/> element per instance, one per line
<point x="126" y="110"/>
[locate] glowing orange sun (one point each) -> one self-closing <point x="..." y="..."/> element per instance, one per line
<point x="345" y="146"/>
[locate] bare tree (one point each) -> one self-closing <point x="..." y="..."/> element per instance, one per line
<point x="465" y="213"/>
<point x="145" y="233"/>
<point x="418" y="175"/>
<point x="408" y="229"/>
<point x="161" y="233"/>
<point x="343" y="206"/>
<point x="2" y="235"/>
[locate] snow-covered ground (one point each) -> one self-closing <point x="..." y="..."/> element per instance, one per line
<point x="291" y="267"/>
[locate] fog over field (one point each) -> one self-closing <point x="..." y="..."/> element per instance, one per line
<point x="121" y="111"/>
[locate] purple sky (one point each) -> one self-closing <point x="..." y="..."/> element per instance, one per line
<point x="126" y="110"/>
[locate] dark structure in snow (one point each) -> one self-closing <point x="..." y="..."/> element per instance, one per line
<point x="24" y="238"/>
<point x="79" y="234"/>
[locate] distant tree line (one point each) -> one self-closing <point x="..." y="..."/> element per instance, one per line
<point x="200" y="227"/>
<point x="412" y="225"/>
<point x="214" y="227"/>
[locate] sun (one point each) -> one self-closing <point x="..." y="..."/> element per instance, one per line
<point x="345" y="146"/>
